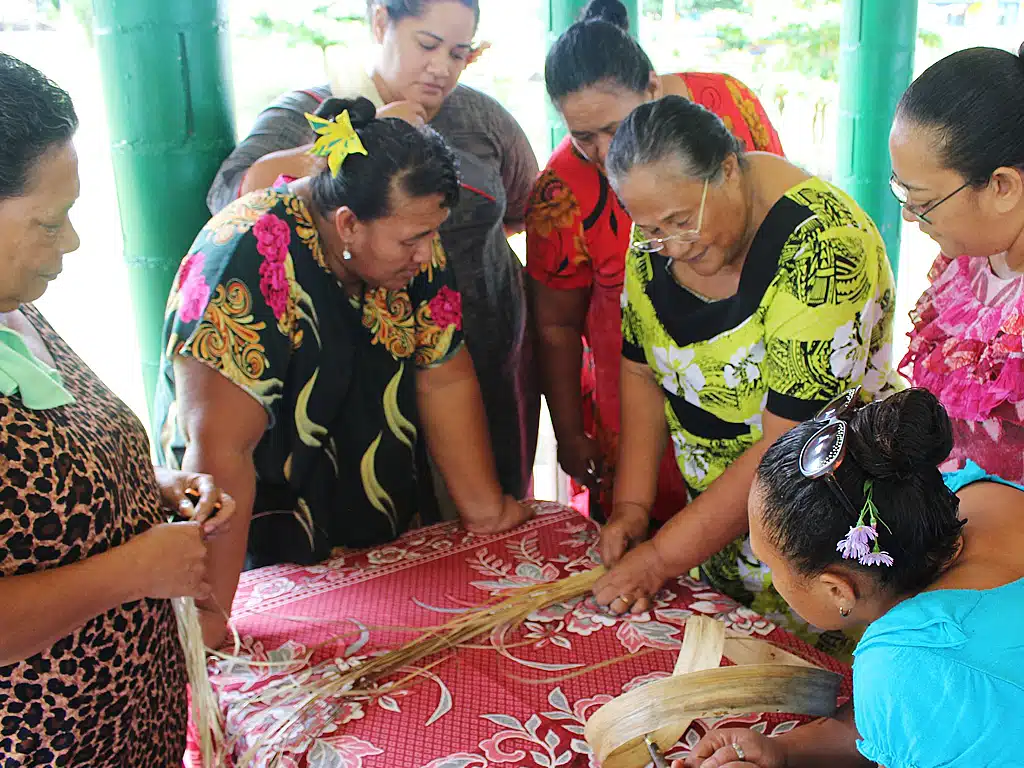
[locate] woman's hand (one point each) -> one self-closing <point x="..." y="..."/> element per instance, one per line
<point x="170" y="559"/>
<point x="630" y="584"/>
<point x="725" y="748"/>
<point x="196" y="497"/>
<point x="508" y="515"/>
<point x="581" y="459"/>
<point x="410" y="111"/>
<point x="628" y="526"/>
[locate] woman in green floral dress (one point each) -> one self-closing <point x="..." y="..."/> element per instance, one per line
<point x="754" y="293"/>
<point x="314" y="354"/>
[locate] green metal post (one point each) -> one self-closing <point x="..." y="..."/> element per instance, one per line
<point x="165" y="69"/>
<point x="561" y="15"/>
<point x="876" y="64"/>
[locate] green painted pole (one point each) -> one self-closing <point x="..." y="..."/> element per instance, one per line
<point x="876" y="64"/>
<point x="561" y="15"/>
<point x="166" y="84"/>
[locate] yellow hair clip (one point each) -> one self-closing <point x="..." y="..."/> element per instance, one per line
<point x="337" y="140"/>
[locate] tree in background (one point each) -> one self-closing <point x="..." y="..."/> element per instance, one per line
<point x="808" y="45"/>
<point x="802" y="38"/>
<point x="325" y="27"/>
<point x="663" y="9"/>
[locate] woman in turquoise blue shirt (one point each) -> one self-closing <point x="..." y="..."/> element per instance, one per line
<point x="860" y="529"/>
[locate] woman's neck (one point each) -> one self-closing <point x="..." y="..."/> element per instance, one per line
<point x="1015" y="254"/>
<point x="754" y="216"/>
<point x="330" y="245"/>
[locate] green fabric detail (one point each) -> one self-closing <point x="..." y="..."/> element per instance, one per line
<point x="21" y="372"/>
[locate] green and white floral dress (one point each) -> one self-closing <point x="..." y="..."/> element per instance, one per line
<point x="812" y="317"/>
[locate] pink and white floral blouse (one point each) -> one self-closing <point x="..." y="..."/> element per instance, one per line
<point x="966" y="347"/>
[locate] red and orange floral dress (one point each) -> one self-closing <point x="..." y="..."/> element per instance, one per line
<point x="342" y="462"/>
<point x="966" y="347"/>
<point x="577" y="234"/>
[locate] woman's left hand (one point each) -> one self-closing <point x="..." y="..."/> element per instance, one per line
<point x="635" y="578"/>
<point x="214" y="507"/>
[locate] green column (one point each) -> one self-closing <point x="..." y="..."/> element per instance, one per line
<point x="561" y="15"/>
<point x="166" y="84"/>
<point x="876" y="64"/>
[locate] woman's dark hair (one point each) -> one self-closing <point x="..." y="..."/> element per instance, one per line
<point x="897" y="444"/>
<point x="672" y="127"/>
<point x="403" y="9"/>
<point x="35" y="115"/>
<point x="597" y="49"/>
<point x="974" y="101"/>
<point x="417" y="159"/>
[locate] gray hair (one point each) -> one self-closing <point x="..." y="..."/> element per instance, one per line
<point x="672" y="127"/>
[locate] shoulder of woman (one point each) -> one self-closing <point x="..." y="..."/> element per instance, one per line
<point x="551" y="188"/>
<point x="254" y="214"/>
<point x="833" y="211"/>
<point x="479" y="107"/>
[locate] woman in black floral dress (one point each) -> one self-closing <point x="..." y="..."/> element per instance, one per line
<point x="314" y="354"/>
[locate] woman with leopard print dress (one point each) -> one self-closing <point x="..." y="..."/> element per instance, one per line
<point x="91" y="673"/>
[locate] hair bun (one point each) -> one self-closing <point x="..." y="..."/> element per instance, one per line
<point x="360" y="111"/>
<point x="611" y="11"/>
<point x="906" y="433"/>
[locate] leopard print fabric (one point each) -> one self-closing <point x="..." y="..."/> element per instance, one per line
<point x="76" y="481"/>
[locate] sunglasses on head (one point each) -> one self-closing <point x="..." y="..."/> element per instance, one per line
<point x="824" y="452"/>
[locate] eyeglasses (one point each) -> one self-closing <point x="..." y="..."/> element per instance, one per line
<point x="655" y="244"/>
<point x="825" y="450"/>
<point x="902" y="195"/>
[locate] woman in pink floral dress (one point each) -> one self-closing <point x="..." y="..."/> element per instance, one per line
<point x="957" y="150"/>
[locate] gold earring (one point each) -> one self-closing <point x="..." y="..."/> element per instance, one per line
<point x="844" y="611"/>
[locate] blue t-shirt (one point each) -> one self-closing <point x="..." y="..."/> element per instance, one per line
<point x="938" y="682"/>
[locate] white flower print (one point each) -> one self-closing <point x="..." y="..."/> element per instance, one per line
<point x="880" y="374"/>
<point x="850" y="344"/>
<point x="744" y="366"/>
<point x="694" y="458"/>
<point x="679" y="374"/>
<point x="849" y="358"/>
<point x="870" y="316"/>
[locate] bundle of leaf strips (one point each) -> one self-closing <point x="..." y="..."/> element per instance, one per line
<point x="205" y="707"/>
<point x="320" y="697"/>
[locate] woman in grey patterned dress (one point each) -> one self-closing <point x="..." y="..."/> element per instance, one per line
<point x="424" y="46"/>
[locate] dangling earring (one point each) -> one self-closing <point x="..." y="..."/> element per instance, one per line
<point x="844" y="611"/>
<point x="347" y="255"/>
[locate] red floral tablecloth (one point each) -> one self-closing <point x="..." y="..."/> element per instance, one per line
<point x="480" y="707"/>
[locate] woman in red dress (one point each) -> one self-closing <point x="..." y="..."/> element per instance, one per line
<point x="578" y="233"/>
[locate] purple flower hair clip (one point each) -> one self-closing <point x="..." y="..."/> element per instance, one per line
<point x="861" y="543"/>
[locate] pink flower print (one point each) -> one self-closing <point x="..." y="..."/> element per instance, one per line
<point x="446" y="308"/>
<point x="273" y="237"/>
<point x="856" y="543"/>
<point x="194" y="293"/>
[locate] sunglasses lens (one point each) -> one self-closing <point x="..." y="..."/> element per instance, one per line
<point x="837" y="407"/>
<point x="823" y="451"/>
